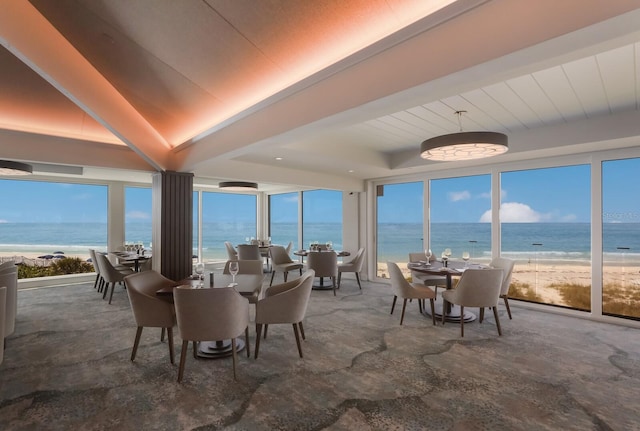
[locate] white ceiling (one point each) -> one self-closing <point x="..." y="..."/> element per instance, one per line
<point x="222" y="88"/>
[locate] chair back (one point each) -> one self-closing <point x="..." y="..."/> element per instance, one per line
<point x="279" y="255"/>
<point x="245" y="267"/>
<point x="286" y="302"/>
<point x="108" y="272"/>
<point x="9" y="279"/>
<point x="401" y="287"/>
<point x="507" y="268"/>
<point x="289" y="248"/>
<point x="324" y="263"/>
<point x="149" y="310"/>
<point x="92" y="255"/>
<point x="210" y="314"/>
<point x="249" y="252"/>
<point x="146" y="265"/>
<point x="479" y="288"/>
<point x="358" y="260"/>
<point x="232" y="254"/>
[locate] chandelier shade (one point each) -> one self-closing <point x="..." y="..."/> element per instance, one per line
<point x="9" y="167"/>
<point x="238" y="186"/>
<point x="464" y="146"/>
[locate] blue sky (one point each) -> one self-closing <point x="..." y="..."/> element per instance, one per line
<point x="540" y="195"/>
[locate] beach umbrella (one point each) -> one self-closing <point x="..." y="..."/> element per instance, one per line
<point x="59" y="256"/>
<point x="58" y="252"/>
<point x="46" y="256"/>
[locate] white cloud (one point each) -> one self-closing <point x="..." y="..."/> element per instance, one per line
<point x="569" y="218"/>
<point x="138" y="215"/>
<point x="487" y="195"/>
<point x="4" y="221"/>
<point x="459" y="196"/>
<point x="515" y="212"/>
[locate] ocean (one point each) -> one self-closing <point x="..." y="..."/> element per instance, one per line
<point x="555" y="241"/>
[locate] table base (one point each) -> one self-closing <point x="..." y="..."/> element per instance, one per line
<point x="218" y="349"/>
<point x="322" y="286"/>
<point x="453" y="315"/>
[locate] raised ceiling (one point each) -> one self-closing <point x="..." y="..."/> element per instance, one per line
<point x="341" y="91"/>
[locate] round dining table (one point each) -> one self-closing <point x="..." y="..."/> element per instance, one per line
<point x="452" y="269"/>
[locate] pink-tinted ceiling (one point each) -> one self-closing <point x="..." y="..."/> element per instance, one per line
<point x="185" y="66"/>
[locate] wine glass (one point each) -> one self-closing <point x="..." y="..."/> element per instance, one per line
<point x="465" y="257"/>
<point x="445" y="258"/>
<point x="233" y="270"/>
<point x="447" y="251"/>
<point x="329" y="244"/>
<point x="427" y="255"/>
<point x="200" y="272"/>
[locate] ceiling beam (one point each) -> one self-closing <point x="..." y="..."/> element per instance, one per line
<point x="29" y="36"/>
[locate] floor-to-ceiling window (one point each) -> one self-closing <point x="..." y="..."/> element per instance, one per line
<point x="399" y="223"/>
<point x="621" y="238"/>
<point x="283" y="218"/>
<point x="460" y="211"/>
<point x="322" y="217"/>
<point x="226" y="217"/>
<point x="137" y="220"/>
<point x="42" y="221"/>
<point x="546" y="227"/>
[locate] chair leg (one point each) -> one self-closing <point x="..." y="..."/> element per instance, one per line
<point x="258" y="331"/>
<point x="404" y="306"/>
<point x="105" y="289"/>
<point x="183" y="357"/>
<point x="393" y="305"/>
<point x="95" y="284"/>
<point x="170" y="339"/>
<point x="444" y="309"/>
<point x="265" y="331"/>
<point x="420" y="305"/>
<point x="481" y="314"/>
<point x="246" y="341"/>
<point x="495" y="315"/>
<point x="339" y="279"/>
<point x="136" y="343"/>
<point x="234" y="355"/>
<point x="358" y="280"/>
<point x="295" y="331"/>
<point x="286" y="273"/>
<point x="195" y="350"/>
<point x="300" y="271"/>
<point x="506" y="304"/>
<point x="273" y="274"/>
<point x="333" y="283"/>
<point x="461" y="321"/>
<point x="162" y="335"/>
<point x="113" y="287"/>
<point x="433" y="311"/>
<point x="301" y="330"/>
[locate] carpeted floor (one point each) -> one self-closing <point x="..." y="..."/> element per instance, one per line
<point x="67" y="367"/>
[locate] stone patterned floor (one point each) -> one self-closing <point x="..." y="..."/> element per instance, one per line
<point x="67" y="367"/>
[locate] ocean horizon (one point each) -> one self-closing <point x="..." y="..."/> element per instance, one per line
<point x="520" y="241"/>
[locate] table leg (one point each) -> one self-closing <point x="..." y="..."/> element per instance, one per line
<point x="218" y="349"/>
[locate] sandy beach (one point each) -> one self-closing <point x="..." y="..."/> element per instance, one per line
<point x="31" y="258"/>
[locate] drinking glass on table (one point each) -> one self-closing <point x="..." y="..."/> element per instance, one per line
<point x="200" y="272"/>
<point x="233" y="270"/>
<point x="427" y="255"/>
<point x="465" y="257"/>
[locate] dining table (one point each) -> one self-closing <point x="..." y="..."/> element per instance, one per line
<point x="247" y="285"/>
<point x="449" y="270"/>
<point x="130" y="257"/>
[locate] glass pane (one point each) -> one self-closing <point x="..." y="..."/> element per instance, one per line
<point x="545" y="219"/>
<point x="461" y="217"/>
<point x="137" y="220"/>
<point x="322" y="217"/>
<point x="195" y="225"/>
<point x="400" y="222"/>
<point x="45" y="218"/>
<point x="620" y="239"/>
<point x="283" y="219"/>
<point x="226" y="217"/>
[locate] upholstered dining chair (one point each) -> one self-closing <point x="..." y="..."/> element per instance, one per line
<point x="428" y="280"/>
<point x="249" y="252"/>
<point x="507" y="269"/>
<point x="289" y="248"/>
<point x="99" y="283"/>
<point x="110" y="274"/>
<point x="9" y="279"/>
<point x="3" y="302"/>
<point x="354" y="265"/>
<point x="405" y="290"/>
<point x="325" y="264"/>
<point x="284" y="303"/>
<point x="232" y="254"/>
<point x="476" y="288"/>
<point x="281" y="261"/>
<point x="149" y="310"/>
<point x="210" y="314"/>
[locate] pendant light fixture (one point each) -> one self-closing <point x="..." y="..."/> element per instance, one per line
<point x="9" y="167"/>
<point x="464" y="145"/>
<point x="238" y="186"/>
